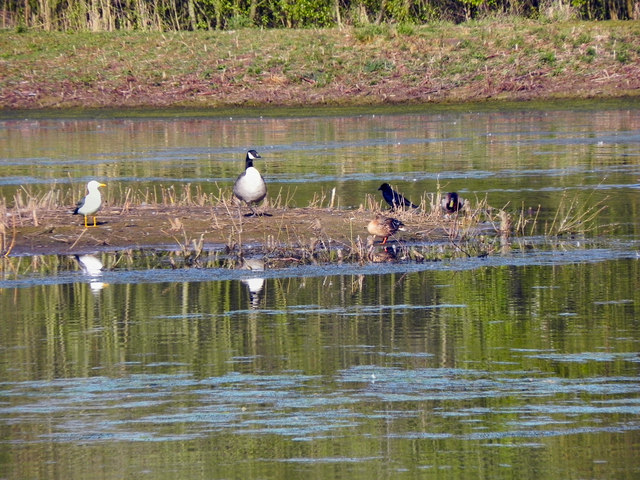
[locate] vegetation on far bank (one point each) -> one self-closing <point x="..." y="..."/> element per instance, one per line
<point x="507" y="58"/>
<point x="175" y="15"/>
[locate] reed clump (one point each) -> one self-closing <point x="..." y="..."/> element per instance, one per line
<point x="573" y="216"/>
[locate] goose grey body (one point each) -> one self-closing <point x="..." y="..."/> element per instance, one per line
<point x="250" y="186"/>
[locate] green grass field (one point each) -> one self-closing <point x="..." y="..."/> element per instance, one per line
<point x="508" y="58"/>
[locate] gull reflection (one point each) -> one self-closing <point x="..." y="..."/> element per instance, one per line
<point x="255" y="284"/>
<point x="92" y="267"/>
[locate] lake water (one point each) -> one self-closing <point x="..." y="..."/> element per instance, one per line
<point x="522" y="364"/>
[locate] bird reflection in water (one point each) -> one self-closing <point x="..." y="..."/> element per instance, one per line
<point x="92" y="267"/>
<point x="255" y="284"/>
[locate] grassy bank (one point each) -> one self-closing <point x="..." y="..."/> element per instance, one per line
<point x="509" y="58"/>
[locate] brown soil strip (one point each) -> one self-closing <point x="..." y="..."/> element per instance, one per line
<point x="168" y="227"/>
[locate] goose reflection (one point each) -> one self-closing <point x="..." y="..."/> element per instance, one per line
<point x="255" y="284"/>
<point x="92" y="267"/>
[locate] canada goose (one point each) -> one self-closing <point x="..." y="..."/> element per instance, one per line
<point x="382" y="226"/>
<point x="91" y="203"/>
<point x="452" y="203"/>
<point x="393" y="198"/>
<point x="250" y="186"/>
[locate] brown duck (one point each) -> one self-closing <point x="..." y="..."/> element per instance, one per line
<point x="384" y="227"/>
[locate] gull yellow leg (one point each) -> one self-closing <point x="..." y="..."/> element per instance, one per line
<point x="94" y="222"/>
<point x="85" y="222"/>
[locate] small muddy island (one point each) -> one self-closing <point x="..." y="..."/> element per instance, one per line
<point x="302" y="235"/>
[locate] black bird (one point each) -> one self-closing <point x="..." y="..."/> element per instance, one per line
<point x="250" y="186"/>
<point x="393" y="198"/>
<point x="452" y="203"/>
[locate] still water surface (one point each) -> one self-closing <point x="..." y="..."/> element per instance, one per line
<point x="524" y="364"/>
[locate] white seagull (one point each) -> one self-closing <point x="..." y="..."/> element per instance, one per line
<point x="91" y="203"/>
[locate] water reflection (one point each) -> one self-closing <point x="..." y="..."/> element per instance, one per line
<point x="255" y="284"/>
<point x="526" y="359"/>
<point x="453" y="363"/>
<point x="92" y="267"/>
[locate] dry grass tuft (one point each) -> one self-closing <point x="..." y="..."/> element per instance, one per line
<point x="572" y="216"/>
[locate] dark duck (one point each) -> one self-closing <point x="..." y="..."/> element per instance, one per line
<point x="452" y="203"/>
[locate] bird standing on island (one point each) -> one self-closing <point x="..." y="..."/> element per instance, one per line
<point x="91" y="203"/>
<point x="382" y="226"/>
<point x="393" y="198"/>
<point x="452" y="203"/>
<point x="250" y="186"/>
